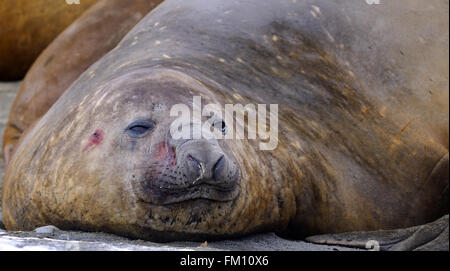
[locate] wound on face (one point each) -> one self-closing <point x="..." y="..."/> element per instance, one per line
<point x="94" y="140"/>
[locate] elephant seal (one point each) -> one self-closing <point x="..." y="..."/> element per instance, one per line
<point x="66" y="58"/>
<point x="27" y="27"/>
<point x="362" y="125"/>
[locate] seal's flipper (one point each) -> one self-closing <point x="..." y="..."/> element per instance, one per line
<point x="432" y="236"/>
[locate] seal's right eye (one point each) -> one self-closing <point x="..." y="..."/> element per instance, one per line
<point x="139" y="128"/>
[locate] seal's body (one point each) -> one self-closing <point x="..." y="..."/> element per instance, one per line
<point x="27" y="27"/>
<point x="89" y="38"/>
<point x="363" y="125"/>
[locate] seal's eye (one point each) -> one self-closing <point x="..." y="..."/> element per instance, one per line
<point x="139" y="128"/>
<point x="221" y="125"/>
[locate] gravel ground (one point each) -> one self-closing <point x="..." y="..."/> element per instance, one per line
<point x="50" y="238"/>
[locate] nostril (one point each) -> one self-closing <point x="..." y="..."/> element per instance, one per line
<point x="210" y="166"/>
<point x="194" y="161"/>
<point x="219" y="165"/>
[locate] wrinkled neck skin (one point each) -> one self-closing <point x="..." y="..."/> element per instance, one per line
<point x="87" y="173"/>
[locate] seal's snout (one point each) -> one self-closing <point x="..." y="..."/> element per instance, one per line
<point x="208" y="167"/>
<point x="203" y="170"/>
<point x="205" y="162"/>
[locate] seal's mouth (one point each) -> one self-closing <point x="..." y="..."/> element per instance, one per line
<point x="167" y="188"/>
<point x="167" y="196"/>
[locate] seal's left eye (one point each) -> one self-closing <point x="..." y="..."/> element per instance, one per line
<point x="139" y="128"/>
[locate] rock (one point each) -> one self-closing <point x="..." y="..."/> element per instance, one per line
<point x="72" y="240"/>
<point x="47" y="230"/>
<point x="33" y="241"/>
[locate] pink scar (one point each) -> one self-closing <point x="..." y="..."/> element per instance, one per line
<point x="165" y="155"/>
<point x="94" y="140"/>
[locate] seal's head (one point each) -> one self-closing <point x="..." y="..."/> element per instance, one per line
<point x="168" y="173"/>
<point x="117" y="167"/>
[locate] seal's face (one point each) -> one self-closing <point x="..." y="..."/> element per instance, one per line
<point x="162" y="173"/>
<point x="169" y="170"/>
<point x="172" y="170"/>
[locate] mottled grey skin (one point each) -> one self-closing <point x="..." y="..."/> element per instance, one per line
<point x="363" y="118"/>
